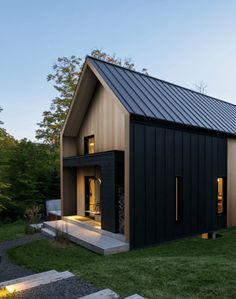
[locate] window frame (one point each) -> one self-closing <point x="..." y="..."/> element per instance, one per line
<point x="178" y="198"/>
<point x="224" y="195"/>
<point x="86" y="144"/>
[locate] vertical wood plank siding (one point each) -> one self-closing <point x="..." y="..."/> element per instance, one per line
<point x="69" y="192"/>
<point x="106" y="121"/>
<point x="157" y="155"/>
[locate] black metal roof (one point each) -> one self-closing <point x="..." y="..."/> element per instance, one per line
<point x="151" y="97"/>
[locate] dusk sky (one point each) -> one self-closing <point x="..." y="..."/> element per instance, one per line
<point x="180" y="41"/>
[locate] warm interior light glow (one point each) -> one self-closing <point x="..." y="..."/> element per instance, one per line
<point x="220" y="195"/>
<point x="92" y="199"/>
<point x="89" y="145"/>
<point x="11" y="288"/>
<point x="205" y="236"/>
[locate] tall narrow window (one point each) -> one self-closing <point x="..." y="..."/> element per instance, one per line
<point x="177" y="198"/>
<point x="89" y="145"/>
<point x="220" y="195"/>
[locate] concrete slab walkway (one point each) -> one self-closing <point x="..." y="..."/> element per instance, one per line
<point x="88" y="238"/>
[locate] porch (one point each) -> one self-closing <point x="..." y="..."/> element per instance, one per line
<point x="93" y="186"/>
<point x="86" y="233"/>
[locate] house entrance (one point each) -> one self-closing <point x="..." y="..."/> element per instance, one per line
<point x="92" y="198"/>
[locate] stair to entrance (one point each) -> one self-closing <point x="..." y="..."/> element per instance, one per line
<point x="86" y="237"/>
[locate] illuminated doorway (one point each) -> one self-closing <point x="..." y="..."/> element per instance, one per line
<point x="92" y="205"/>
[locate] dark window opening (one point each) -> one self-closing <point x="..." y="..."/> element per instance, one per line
<point x="178" y="186"/>
<point x="89" y="145"/>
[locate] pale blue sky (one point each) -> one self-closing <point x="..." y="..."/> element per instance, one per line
<point x="181" y="41"/>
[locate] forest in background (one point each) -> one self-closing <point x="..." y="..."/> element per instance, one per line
<point x="29" y="174"/>
<point x="30" y="171"/>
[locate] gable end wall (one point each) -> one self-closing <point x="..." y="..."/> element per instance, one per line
<point x="106" y="121"/>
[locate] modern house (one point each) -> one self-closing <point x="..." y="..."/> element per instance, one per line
<point x="146" y="158"/>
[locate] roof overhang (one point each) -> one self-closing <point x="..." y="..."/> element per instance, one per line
<point x="86" y="87"/>
<point x="82" y="96"/>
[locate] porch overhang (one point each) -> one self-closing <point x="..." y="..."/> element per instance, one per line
<point x="111" y="164"/>
<point x="97" y="159"/>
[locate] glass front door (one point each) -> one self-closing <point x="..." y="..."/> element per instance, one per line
<point x="91" y="205"/>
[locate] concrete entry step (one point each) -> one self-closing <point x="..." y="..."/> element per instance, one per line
<point x="92" y="225"/>
<point x="87" y="238"/>
<point x="48" y="233"/>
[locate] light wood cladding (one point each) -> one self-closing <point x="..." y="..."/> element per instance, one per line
<point x="69" y="145"/>
<point x="231" y="184"/>
<point x="95" y="111"/>
<point x="69" y="192"/>
<point x="81" y="99"/>
<point x="106" y="121"/>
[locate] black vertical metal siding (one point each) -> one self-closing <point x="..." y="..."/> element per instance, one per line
<point x="157" y="155"/>
<point x="108" y="200"/>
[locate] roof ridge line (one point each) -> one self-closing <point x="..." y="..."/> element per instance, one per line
<point x="161" y="80"/>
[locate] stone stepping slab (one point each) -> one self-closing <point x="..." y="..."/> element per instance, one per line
<point x="109" y="294"/>
<point x="24" y="278"/>
<point x="103" y="294"/>
<point x="31" y="281"/>
<point x="135" y="296"/>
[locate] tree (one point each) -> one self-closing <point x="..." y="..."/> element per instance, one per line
<point x="0" y="112"/>
<point x="201" y="87"/>
<point x="65" y="77"/>
<point x="31" y="169"/>
<point x="30" y="175"/>
<point x="66" y="72"/>
<point x="7" y="143"/>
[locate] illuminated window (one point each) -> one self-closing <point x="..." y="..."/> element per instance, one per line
<point x="177" y="198"/>
<point x="220" y="195"/>
<point x="89" y="145"/>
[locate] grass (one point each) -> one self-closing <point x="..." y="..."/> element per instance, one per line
<point x="191" y="268"/>
<point x="11" y="231"/>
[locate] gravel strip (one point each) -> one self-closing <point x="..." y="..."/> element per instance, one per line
<point x="9" y="270"/>
<point x="70" y="288"/>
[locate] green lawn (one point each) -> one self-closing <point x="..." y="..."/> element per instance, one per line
<point x="191" y="268"/>
<point x="11" y="230"/>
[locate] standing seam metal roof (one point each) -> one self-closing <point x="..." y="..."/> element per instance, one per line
<point x="151" y="97"/>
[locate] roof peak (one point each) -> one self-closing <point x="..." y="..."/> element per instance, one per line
<point x="161" y="80"/>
